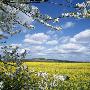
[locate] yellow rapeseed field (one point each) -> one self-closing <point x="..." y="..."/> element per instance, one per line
<point x="76" y="71"/>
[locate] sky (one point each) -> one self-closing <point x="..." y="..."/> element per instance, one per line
<point x="70" y="43"/>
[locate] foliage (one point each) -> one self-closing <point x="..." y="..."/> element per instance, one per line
<point x="12" y="79"/>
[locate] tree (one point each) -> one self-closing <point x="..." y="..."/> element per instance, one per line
<point x="9" y="10"/>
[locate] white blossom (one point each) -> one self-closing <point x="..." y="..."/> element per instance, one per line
<point x="48" y="17"/>
<point x="30" y="26"/>
<point x="88" y="2"/>
<point x="25" y="67"/>
<point x="58" y="28"/>
<point x="62" y="14"/>
<point x="42" y="74"/>
<point x="82" y="5"/>
<point x="56" y="20"/>
<point x="1" y="85"/>
<point x="53" y="83"/>
<point x="61" y="77"/>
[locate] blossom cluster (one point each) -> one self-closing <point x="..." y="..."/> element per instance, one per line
<point x="81" y="5"/>
<point x="83" y="11"/>
<point x="1" y="85"/>
<point x="72" y="14"/>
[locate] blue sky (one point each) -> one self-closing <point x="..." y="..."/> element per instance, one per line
<point x="71" y="43"/>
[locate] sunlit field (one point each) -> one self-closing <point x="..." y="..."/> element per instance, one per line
<point x="76" y="71"/>
<point x="79" y="73"/>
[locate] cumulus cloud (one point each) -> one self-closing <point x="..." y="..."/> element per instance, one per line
<point x="72" y="47"/>
<point x="68" y="25"/>
<point x="69" y="46"/>
<point x="60" y="48"/>
<point x="38" y="38"/>
<point x="82" y="37"/>
<point x="23" y="18"/>
<point x="52" y="42"/>
<point x="37" y="49"/>
<point x="16" y="45"/>
<point x="64" y="39"/>
<point x="21" y="50"/>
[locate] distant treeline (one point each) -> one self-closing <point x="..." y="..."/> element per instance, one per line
<point x="50" y="60"/>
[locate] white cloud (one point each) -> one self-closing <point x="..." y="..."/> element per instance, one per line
<point x="21" y="50"/>
<point x="37" y="48"/>
<point x="16" y="45"/>
<point x="68" y="25"/>
<point x="64" y="39"/>
<point x="38" y="38"/>
<point x="53" y="42"/>
<point x="75" y="44"/>
<point x="40" y="54"/>
<point x="74" y="48"/>
<point x="23" y="18"/>
<point x="82" y="37"/>
<point x="61" y="48"/>
<point x="70" y="46"/>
